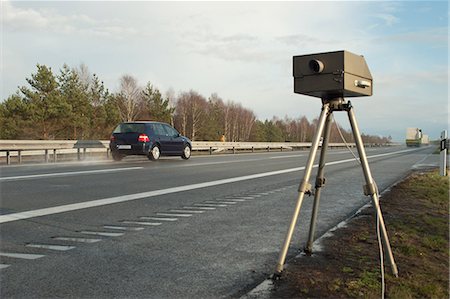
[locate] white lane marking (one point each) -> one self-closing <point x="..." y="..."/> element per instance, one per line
<point x="187" y="211"/>
<point x="255" y="195"/>
<point x="3" y="266"/>
<point x="104" y="234"/>
<point x="130" y="197"/>
<point x="210" y="205"/>
<point x="263" y="193"/>
<point x="244" y="197"/>
<point x="123" y="227"/>
<point x="174" y="215"/>
<point x="25" y="256"/>
<point x="221" y="202"/>
<point x="142" y="223"/>
<point x="236" y="199"/>
<point x="51" y="246"/>
<point x="200" y="208"/>
<point x="158" y="218"/>
<point x="46" y="175"/>
<point x="290" y="156"/>
<point x="81" y="240"/>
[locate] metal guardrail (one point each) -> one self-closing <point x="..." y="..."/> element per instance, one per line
<point x="53" y="148"/>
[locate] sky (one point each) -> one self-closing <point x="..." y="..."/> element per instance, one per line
<point x="243" y="51"/>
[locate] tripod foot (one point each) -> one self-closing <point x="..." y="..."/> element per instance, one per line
<point x="308" y="250"/>
<point x="275" y="276"/>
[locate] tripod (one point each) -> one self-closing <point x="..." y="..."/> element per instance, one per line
<point x="324" y="126"/>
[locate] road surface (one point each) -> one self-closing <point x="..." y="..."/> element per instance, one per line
<point x="209" y="227"/>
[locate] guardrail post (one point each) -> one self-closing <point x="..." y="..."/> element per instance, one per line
<point x="268" y="148"/>
<point x="54" y="155"/>
<point x="234" y="151"/>
<point x="19" y="156"/>
<point x="210" y="150"/>
<point x="253" y="149"/>
<point x="46" y="156"/>
<point x="107" y="153"/>
<point x="78" y="154"/>
<point x="8" y="158"/>
<point x="84" y="153"/>
<point x="281" y="148"/>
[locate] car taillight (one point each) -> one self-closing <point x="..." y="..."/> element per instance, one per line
<point x="143" y="138"/>
<point x="112" y="138"/>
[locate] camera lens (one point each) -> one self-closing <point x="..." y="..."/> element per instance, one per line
<point x="316" y="66"/>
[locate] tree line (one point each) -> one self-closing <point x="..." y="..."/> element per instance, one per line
<point x="75" y="104"/>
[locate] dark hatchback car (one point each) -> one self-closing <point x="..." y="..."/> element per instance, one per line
<point x="149" y="138"/>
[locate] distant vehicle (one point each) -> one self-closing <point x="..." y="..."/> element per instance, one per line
<point x="149" y="138"/>
<point x="415" y="137"/>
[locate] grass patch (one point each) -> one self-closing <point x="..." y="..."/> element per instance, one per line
<point x="416" y="214"/>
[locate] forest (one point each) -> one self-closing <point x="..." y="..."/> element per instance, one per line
<point x="74" y="104"/>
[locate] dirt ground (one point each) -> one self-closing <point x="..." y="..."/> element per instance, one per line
<point x="416" y="212"/>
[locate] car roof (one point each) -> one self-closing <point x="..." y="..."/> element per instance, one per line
<point x="144" y="122"/>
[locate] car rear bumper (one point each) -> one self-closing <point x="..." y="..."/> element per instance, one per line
<point x="130" y="149"/>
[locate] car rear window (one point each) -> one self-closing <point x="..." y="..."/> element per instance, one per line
<point x="130" y="128"/>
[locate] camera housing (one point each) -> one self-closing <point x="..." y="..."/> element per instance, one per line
<point x="332" y="75"/>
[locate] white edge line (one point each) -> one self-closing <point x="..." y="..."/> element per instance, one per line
<point x="124" y="198"/>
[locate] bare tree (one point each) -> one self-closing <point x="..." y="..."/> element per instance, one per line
<point x="129" y="99"/>
<point x="190" y="113"/>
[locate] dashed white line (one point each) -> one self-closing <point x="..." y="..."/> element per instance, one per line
<point x="158" y="218"/>
<point x="51" y="246"/>
<point x="174" y="215"/>
<point x="104" y="234"/>
<point x="81" y="240"/>
<point x="210" y="205"/>
<point x="142" y="223"/>
<point x="187" y="211"/>
<point x="25" y="256"/>
<point x="221" y="202"/>
<point x="236" y="199"/>
<point x="123" y="227"/>
<point x="200" y="208"/>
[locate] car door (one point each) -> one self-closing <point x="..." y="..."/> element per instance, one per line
<point x="176" y="140"/>
<point x="161" y="137"/>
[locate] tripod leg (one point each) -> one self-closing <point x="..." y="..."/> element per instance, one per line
<point x="371" y="188"/>
<point x="304" y="185"/>
<point x="320" y="181"/>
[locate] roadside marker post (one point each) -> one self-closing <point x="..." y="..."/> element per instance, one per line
<point x="443" y="148"/>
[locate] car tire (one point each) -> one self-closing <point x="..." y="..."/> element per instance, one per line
<point x="154" y="153"/>
<point x="186" y="152"/>
<point x="116" y="156"/>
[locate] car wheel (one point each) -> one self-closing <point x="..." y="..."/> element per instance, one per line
<point x="154" y="153"/>
<point x="186" y="152"/>
<point x="116" y="156"/>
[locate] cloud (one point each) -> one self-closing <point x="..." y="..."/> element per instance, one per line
<point x="18" y="19"/>
<point x="434" y="36"/>
<point x="388" y="19"/>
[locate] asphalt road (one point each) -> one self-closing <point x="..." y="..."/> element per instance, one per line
<point x="209" y="227"/>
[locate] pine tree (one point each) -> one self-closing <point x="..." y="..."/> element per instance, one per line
<point x="48" y="109"/>
<point x="156" y="107"/>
